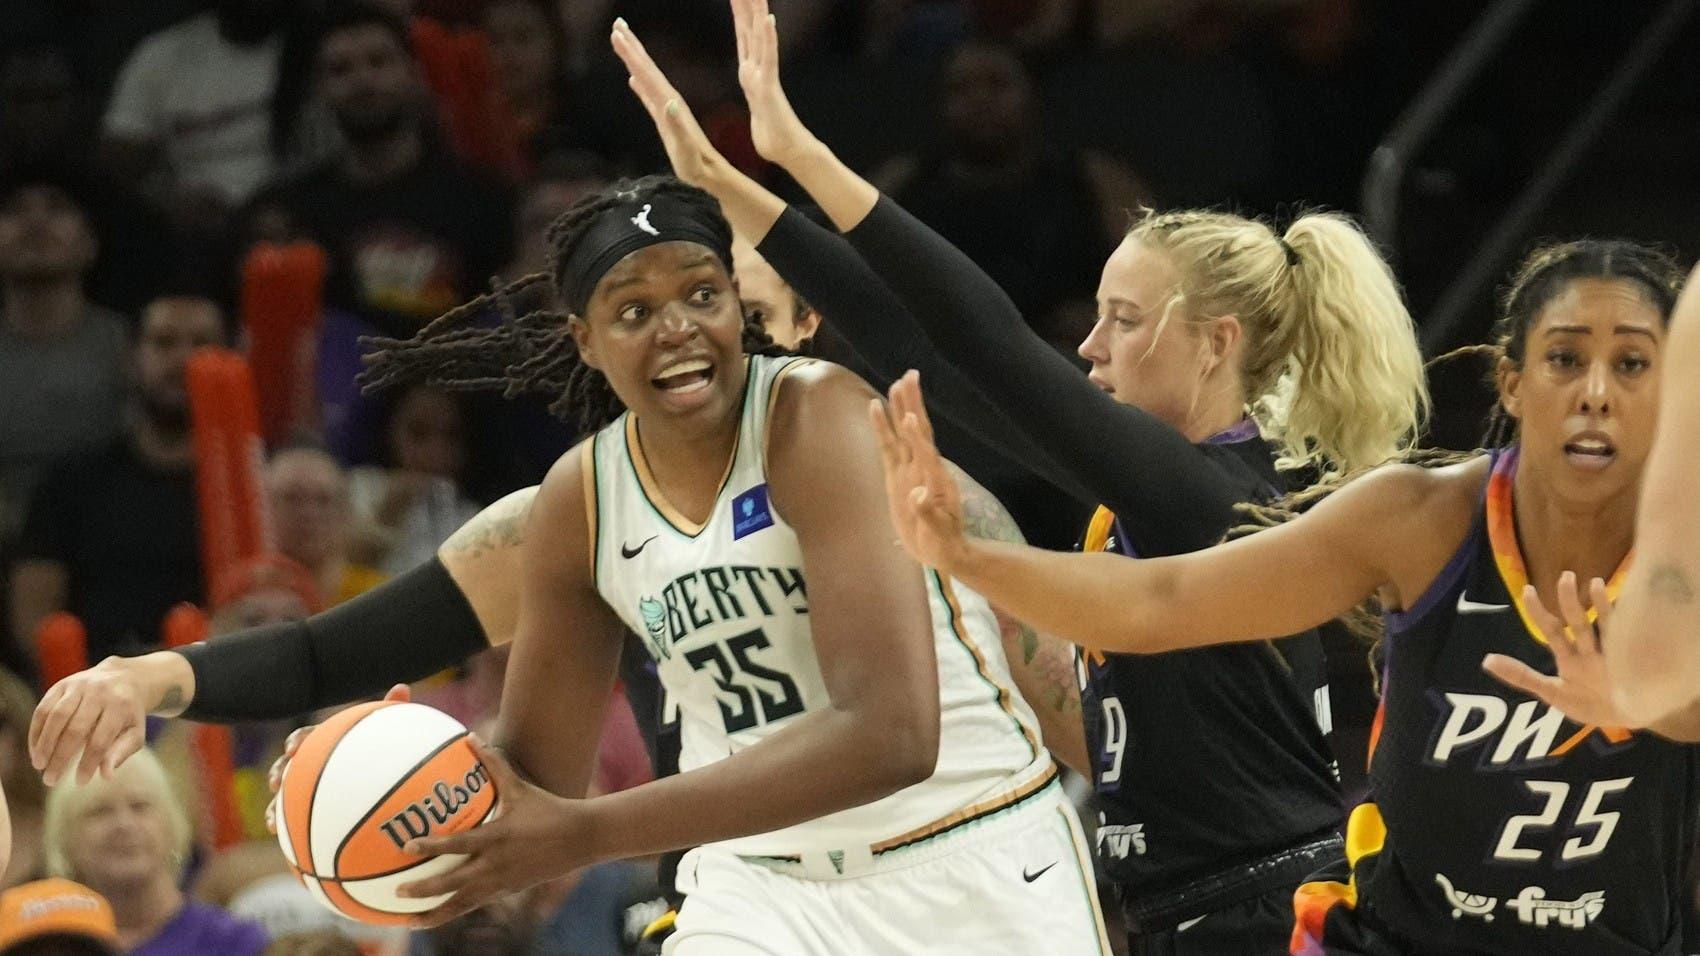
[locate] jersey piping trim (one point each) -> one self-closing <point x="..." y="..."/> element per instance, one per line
<point x="790" y="365"/>
<point x="1083" y="867"/>
<point x="971" y="814"/>
<point x="1000" y="692"/>
<point x="1508" y="551"/>
<point x="592" y="500"/>
<point x="650" y="489"/>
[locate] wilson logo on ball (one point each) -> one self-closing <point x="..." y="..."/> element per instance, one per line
<point x="439" y="808"/>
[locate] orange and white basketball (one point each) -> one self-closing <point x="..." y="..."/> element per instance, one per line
<point x="362" y="785"/>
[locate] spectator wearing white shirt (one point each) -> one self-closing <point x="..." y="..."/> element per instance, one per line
<point x="190" y="119"/>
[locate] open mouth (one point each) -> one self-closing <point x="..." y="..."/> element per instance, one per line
<point x="685" y="378"/>
<point x="1590" y="453"/>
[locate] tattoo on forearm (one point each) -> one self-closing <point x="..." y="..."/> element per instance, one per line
<point x="498" y="527"/>
<point x="1049" y="662"/>
<point x="983" y="515"/>
<point x="1668" y="582"/>
<point x="173" y="700"/>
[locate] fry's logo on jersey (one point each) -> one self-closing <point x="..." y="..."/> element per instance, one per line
<point x="1531" y="906"/>
<point x="1509" y="736"/>
<point x="1121" y="842"/>
<point x="708" y="596"/>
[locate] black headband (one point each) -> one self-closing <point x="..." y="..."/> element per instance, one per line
<point x="618" y="232"/>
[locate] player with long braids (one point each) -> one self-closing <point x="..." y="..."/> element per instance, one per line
<point x="845" y="715"/>
<point x="1228" y="358"/>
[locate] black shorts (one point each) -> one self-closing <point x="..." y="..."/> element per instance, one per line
<point x="1260" y="926"/>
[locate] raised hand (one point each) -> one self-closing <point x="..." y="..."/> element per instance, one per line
<point x="925" y="502"/>
<point x="779" y="136"/>
<point x="694" y="158"/>
<point x="400" y="693"/>
<point x="535" y="836"/>
<point x="1582" y="689"/>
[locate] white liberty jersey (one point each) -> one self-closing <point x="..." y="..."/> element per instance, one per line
<point x="724" y="610"/>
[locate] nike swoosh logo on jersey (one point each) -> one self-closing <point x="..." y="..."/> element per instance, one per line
<point x="1030" y="877"/>
<point x="1189" y="924"/>
<point x="1467" y="606"/>
<point x="628" y="552"/>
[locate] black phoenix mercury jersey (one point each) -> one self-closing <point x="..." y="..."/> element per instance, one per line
<point x="1210" y="759"/>
<point x="1497" y="824"/>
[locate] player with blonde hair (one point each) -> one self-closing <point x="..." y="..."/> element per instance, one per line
<point x="1224" y="349"/>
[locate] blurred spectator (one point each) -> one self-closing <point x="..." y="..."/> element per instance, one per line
<point x="322" y="943"/>
<point x="42" y="115"/>
<point x="111" y="535"/>
<point x="410" y="231"/>
<point x="1039" y="217"/>
<point x="559" y="181"/>
<point x="584" y="914"/>
<point x="406" y="508"/>
<point x="24" y="792"/>
<point x="1030" y="25"/>
<point x="308" y="494"/>
<point x="529" y="52"/>
<point x="45" y="133"/>
<point x="61" y="357"/>
<point x="536" y="438"/>
<point x="265" y="589"/>
<point x="503" y="928"/>
<point x="190" y="118"/>
<point x="56" y="918"/>
<point x="127" y="838"/>
<point x="281" y="904"/>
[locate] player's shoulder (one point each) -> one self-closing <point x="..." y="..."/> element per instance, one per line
<point x="813" y="391"/>
<point x="810" y="379"/>
<point x="1423" y="492"/>
<point x="563" y="491"/>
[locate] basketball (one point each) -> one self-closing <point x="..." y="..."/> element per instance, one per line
<point x="362" y="785"/>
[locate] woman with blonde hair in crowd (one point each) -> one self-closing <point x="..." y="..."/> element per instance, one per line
<point x="125" y="836"/>
<point x="1230" y="362"/>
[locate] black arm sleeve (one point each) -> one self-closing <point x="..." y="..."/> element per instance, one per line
<point x="828" y="273"/>
<point x="1168" y="492"/>
<point x="406" y="629"/>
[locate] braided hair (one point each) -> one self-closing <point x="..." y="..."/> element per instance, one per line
<point x="515" y="339"/>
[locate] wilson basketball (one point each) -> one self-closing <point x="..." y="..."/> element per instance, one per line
<point x="362" y="785"/>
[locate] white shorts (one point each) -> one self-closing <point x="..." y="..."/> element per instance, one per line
<point x="1018" y="882"/>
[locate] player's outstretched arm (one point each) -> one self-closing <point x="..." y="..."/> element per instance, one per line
<point x="1652" y="654"/>
<point x="1366" y="539"/>
<point x="432" y="617"/>
<point x="1042" y="665"/>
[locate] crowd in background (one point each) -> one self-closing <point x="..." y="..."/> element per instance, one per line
<point x="153" y="155"/>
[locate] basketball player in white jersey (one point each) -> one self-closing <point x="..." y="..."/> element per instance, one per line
<point x="858" y="773"/>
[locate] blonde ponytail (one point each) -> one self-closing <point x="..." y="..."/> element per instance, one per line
<point x="1331" y="367"/>
<point x="1353" y="393"/>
